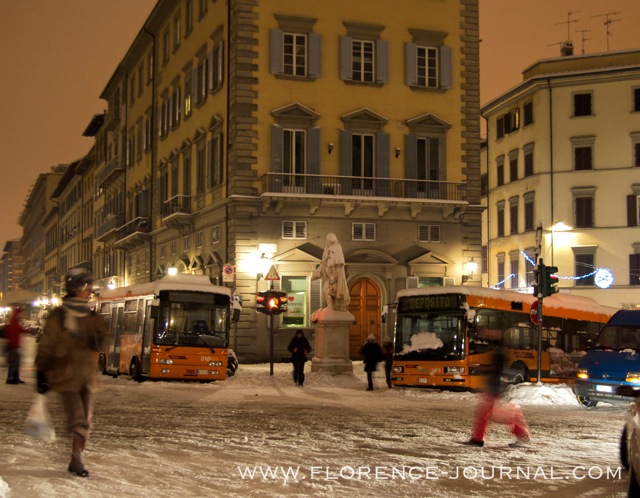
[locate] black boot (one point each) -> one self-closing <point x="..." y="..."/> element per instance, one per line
<point x="76" y="466"/>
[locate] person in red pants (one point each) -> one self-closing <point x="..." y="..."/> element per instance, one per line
<point x="491" y="405"/>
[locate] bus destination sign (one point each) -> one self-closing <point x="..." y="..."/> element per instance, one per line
<point x="429" y="302"/>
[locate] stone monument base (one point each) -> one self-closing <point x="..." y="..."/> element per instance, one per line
<point x="331" y="346"/>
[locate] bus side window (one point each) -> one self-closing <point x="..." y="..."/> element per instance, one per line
<point x="154" y="311"/>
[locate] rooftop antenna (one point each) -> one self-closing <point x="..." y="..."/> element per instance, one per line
<point x="569" y="21"/>
<point x="582" y="32"/>
<point x="608" y="22"/>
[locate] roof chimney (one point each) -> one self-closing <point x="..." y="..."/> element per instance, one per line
<point x="566" y="49"/>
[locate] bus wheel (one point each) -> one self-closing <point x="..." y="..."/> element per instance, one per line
<point x="134" y="370"/>
<point x="102" y="364"/>
<point x="520" y="373"/>
<point x="587" y="402"/>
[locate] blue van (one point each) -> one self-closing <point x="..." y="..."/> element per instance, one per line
<point x="613" y="360"/>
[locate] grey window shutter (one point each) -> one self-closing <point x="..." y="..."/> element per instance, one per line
<point x="410" y="165"/>
<point x="313" y="160"/>
<point x="315" y="295"/>
<point x="382" y="61"/>
<point x="345" y="58"/>
<point x="445" y="67"/>
<point x="220" y="69"/>
<point x="315" y="55"/>
<point x="275" y="51"/>
<point x="277" y="139"/>
<point x="211" y="71"/>
<point x="410" y="62"/>
<point x="346" y="167"/>
<point x="383" y="187"/>
<point x="632" y="211"/>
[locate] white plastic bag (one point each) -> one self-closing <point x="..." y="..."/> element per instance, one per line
<point x="38" y="424"/>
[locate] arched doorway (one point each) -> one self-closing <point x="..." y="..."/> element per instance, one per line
<point x="365" y="307"/>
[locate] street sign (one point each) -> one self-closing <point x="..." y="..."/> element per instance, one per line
<point x="273" y="274"/>
<point x="534" y="313"/>
<point x="227" y="273"/>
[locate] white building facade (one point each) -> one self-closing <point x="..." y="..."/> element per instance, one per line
<point x="563" y="177"/>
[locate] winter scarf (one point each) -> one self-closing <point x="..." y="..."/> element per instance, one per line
<point x="74" y="308"/>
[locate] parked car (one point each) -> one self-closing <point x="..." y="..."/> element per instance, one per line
<point x="232" y="363"/>
<point x="630" y="439"/>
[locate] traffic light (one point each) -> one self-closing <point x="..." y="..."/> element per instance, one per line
<point x="271" y="302"/>
<point x="261" y="302"/>
<point x="276" y="302"/>
<point x="549" y="280"/>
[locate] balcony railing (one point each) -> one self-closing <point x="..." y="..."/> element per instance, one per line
<point x="179" y="204"/>
<point x="351" y="186"/>
<point x="133" y="234"/>
<point x="109" y="226"/>
<point x="110" y="172"/>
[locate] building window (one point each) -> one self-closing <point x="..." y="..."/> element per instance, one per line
<point x="424" y="158"/>
<point x="166" y="46"/>
<point x="216" y="65"/>
<point x="297" y="310"/>
<point x="582" y="104"/>
<point x="200" y="167"/>
<point x="186" y="243"/>
<point x="215" y="234"/>
<point x="186" y="172"/>
<point x="363" y="231"/>
<point x="528" y="113"/>
<point x="513" y="215"/>
<point x="500" y="219"/>
<point x="500" y="171"/>
<point x="633" y="209"/>
<point x="427" y="67"/>
<point x="513" y="165"/>
<point x="583" y="206"/>
<point x="199" y="238"/>
<point x="294" y="157"/>
<point x="634" y="269"/>
<point x="173" y="246"/>
<point x="529" y="198"/>
<point x="529" y="265"/>
<point x="202" y="8"/>
<point x="362" y="160"/>
<point x="514" y="259"/>
<point x="294" y="50"/>
<point x="188" y="17"/>
<point x="583" y="158"/>
<point x="175" y="107"/>
<point x="528" y="160"/>
<point x="500" y="283"/>
<point x="584" y="265"/>
<point x="508" y="123"/>
<point x="214" y="161"/>
<point x="163" y="251"/>
<point x="428" y="159"/>
<point x="188" y="92"/>
<point x="176" y="32"/>
<point x="427" y="60"/>
<point x="428" y="233"/>
<point x="294" y="229"/>
<point x="363" y="56"/>
<point x="635" y="151"/>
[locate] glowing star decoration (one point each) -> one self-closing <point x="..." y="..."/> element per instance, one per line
<point x="604" y="278"/>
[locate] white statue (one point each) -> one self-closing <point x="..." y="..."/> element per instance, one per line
<point x="331" y="271"/>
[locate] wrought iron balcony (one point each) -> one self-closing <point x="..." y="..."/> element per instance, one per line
<point x="134" y="234"/>
<point x="176" y="212"/>
<point x="108" y="229"/>
<point x="110" y="172"/>
<point x="350" y="186"/>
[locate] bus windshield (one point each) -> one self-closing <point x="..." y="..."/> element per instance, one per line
<point x="431" y="335"/>
<point x="192" y="319"/>
<point x="619" y="338"/>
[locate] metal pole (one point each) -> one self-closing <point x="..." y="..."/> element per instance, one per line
<point x="539" y="339"/>
<point x="271" y="347"/>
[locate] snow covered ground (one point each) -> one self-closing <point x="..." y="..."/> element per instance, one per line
<point x="261" y="436"/>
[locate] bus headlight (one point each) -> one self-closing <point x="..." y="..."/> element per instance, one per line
<point x="633" y="377"/>
<point x="583" y="374"/>
<point x="454" y="370"/>
<point x="215" y="363"/>
<point x="166" y="361"/>
<point x="398" y="370"/>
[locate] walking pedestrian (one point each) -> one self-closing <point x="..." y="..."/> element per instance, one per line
<point x="299" y="348"/>
<point x="14" y="331"/>
<point x="491" y="403"/>
<point x="387" y="353"/>
<point x="66" y="360"/>
<point x="371" y="354"/>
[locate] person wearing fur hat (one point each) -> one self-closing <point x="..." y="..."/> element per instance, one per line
<point x="371" y="354"/>
<point x="66" y="360"/>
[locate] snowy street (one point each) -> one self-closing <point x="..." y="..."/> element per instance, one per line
<point x="261" y="436"/>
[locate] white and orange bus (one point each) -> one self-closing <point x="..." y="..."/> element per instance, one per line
<point x="439" y="335"/>
<point x="174" y="328"/>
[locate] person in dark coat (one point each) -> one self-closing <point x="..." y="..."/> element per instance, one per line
<point x="490" y="403"/>
<point x="67" y="358"/>
<point x="371" y="354"/>
<point x="387" y="353"/>
<point x="299" y="348"/>
<point x="13" y="332"/>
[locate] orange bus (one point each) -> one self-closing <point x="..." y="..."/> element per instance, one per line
<point x="439" y="335"/>
<point x="174" y="328"/>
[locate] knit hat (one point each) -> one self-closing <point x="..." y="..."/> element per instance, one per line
<point x="371" y="338"/>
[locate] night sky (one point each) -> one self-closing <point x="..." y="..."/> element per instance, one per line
<point x="56" y="57"/>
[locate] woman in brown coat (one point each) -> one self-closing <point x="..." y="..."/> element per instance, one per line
<point x="66" y="360"/>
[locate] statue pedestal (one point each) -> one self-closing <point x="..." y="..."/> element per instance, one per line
<point x="331" y="346"/>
